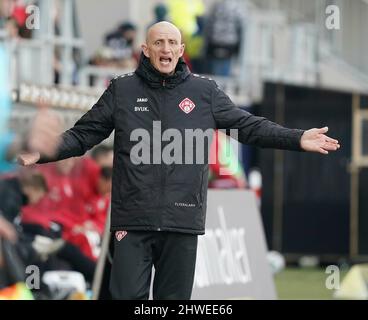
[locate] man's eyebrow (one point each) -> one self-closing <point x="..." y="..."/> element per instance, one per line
<point x="169" y="39"/>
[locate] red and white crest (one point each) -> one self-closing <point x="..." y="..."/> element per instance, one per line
<point x="187" y="105"/>
<point x="120" y="235"/>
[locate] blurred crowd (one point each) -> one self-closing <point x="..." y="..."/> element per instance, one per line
<point x="55" y="213"/>
<point x="213" y="36"/>
<point x="13" y="18"/>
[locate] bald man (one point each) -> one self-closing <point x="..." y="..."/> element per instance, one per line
<point x="159" y="191"/>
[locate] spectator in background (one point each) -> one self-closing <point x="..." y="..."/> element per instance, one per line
<point x="160" y="12"/>
<point x="7" y="230"/>
<point x="185" y="14"/>
<point x="74" y="187"/>
<point x="117" y="50"/>
<point x="224" y="29"/>
<point x="12" y="28"/>
<point x="103" y="155"/>
<point x="12" y="197"/>
<point x="6" y="11"/>
<point x="40" y="216"/>
<point x="15" y="10"/>
<point x="195" y="47"/>
<point x="18" y="11"/>
<point x="20" y="15"/>
<point x="121" y="44"/>
<point x="98" y="206"/>
<point x="71" y="183"/>
<point x="3" y="13"/>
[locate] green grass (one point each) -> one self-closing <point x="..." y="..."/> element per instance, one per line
<point x="303" y="284"/>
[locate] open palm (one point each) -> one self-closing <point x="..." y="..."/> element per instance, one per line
<point x="315" y="140"/>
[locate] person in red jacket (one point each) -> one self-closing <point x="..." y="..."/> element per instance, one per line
<point x="72" y="183"/>
<point x="41" y="214"/>
<point x="43" y="211"/>
<point x="98" y="206"/>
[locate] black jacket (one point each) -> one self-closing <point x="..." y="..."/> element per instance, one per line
<point x="161" y="196"/>
<point x="12" y="198"/>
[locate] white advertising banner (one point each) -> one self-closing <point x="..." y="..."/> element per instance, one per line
<point x="231" y="257"/>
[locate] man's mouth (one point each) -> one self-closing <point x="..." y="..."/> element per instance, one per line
<point x="165" y="61"/>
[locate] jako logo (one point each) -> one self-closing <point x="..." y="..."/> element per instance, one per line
<point x="142" y="99"/>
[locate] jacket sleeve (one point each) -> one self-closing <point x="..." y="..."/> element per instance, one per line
<point x="253" y="130"/>
<point x="92" y="128"/>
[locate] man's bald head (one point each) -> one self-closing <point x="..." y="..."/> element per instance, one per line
<point x="162" y="27"/>
<point x="163" y="46"/>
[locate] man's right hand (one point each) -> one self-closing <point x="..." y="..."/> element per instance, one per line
<point x="43" y="137"/>
<point x="28" y="159"/>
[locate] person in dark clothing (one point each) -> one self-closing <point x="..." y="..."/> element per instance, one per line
<point x="12" y="197"/>
<point x="160" y="12"/>
<point x="223" y="33"/>
<point x="103" y="155"/>
<point x="121" y="41"/>
<point x="158" y="206"/>
<point x="7" y="230"/>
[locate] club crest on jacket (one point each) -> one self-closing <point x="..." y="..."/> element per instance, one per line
<point x="187" y="105"/>
<point x="120" y="235"/>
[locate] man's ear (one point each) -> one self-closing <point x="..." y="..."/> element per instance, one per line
<point x="182" y="49"/>
<point x="145" y="50"/>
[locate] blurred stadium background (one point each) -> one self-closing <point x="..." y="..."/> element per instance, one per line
<point x="292" y="61"/>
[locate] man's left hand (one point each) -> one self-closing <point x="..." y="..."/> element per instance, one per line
<point x="315" y="140"/>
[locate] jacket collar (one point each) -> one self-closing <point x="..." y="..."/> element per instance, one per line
<point x="155" y="79"/>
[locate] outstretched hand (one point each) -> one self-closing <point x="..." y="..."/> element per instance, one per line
<point x="315" y="140"/>
<point x="28" y="159"/>
<point x="45" y="131"/>
<point x="44" y="136"/>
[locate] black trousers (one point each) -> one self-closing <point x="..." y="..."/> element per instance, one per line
<point x="173" y="256"/>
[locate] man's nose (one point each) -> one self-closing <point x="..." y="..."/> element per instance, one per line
<point x="165" y="47"/>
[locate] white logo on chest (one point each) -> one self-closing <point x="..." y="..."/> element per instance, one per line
<point x="141" y="109"/>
